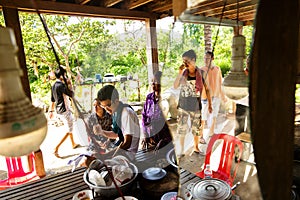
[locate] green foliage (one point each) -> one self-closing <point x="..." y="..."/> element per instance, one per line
<point x="297" y="93"/>
<point x="91" y="45"/>
<point x="1" y="19"/>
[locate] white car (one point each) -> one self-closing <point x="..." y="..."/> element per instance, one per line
<point x="109" y="78"/>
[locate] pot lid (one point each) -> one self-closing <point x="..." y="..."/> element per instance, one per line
<point x="208" y="189"/>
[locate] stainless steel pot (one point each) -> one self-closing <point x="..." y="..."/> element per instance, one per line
<point x="171" y="158"/>
<point x="208" y="189"/>
<point x="105" y="191"/>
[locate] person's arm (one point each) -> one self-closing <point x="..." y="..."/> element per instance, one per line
<point x="127" y="142"/>
<point x="52" y="105"/>
<point x="178" y="78"/>
<point x="223" y="97"/>
<point x="51" y="109"/>
<point x="109" y="134"/>
<point x="130" y="127"/>
<point x="208" y="97"/>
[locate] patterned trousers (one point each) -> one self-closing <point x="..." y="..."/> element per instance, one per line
<point x="195" y="122"/>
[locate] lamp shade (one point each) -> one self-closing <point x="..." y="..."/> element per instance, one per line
<point x="235" y="84"/>
<point x="23" y="127"/>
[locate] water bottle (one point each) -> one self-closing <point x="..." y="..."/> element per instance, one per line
<point x="207" y="172"/>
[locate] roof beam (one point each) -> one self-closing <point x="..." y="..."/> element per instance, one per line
<point x="229" y="8"/>
<point x="110" y="3"/>
<point x="137" y="3"/>
<point x="242" y="12"/>
<point x="188" y="17"/>
<point x="82" y="2"/>
<point x="59" y="8"/>
<point x="162" y="6"/>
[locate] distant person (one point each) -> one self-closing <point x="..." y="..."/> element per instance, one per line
<point x="191" y="82"/>
<point x="126" y="126"/>
<point x="242" y="114"/>
<point x="155" y="129"/>
<point x="213" y="78"/>
<point x="60" y="102"/>
<point x="99" y="143"/>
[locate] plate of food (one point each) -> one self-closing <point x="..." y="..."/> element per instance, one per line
<point x="83" y="195"/>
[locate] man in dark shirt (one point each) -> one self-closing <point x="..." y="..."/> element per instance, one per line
<point x="60" y="94"/>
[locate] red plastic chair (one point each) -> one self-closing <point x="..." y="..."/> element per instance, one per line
<point x="19" y="172"/>
<point x="228" y="154"/>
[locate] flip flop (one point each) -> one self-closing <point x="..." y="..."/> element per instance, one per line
<point x="76" y="146"/>
<point x="202" y="141"/>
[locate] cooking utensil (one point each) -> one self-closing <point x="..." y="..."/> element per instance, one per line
<point x="171" y="158"/>
<point x="209" y="189"/>
<point x="111" y="191"/>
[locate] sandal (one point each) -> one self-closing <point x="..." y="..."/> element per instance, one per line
<point x="201" y="140"/>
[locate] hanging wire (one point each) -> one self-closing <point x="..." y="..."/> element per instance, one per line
<point x="220" y="21"/>
<point x="237" y="12"/>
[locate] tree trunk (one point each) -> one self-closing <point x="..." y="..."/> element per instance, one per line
<point x="207" y="38"/>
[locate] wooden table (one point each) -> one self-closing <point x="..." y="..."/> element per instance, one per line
<point x="65" y="185"/>
<point x="58" y="186"/>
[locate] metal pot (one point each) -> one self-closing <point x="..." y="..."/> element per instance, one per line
<point x="111" y="191"/>
<point x="171" y="158"/>
<point x="208" y="189"/>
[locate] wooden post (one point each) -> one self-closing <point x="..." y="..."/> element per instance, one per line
<point x="273" y="68"/>
<point x="11" y="17"/>
<point x="178" y="7"/>
<point x="39" y="164"/>
<point x="152" y="54"/>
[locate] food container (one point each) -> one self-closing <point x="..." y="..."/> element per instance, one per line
<point x="111" y="191"/>
<point x="171" y="158"/>
<point x="209" y="189"/>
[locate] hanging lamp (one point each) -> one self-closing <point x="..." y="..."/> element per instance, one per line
<point x="235" y="84"/>
<point x="23" y="127"/>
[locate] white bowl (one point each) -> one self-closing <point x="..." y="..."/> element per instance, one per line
<point x="127" y="198"/>
<point x="169" y="196"/>
<point x="83" y="195"/>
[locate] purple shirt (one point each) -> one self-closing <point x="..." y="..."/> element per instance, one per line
<point x="152" y="116"/>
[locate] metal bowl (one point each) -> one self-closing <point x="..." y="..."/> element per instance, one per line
<point x="171" y="158"/>
<point x="111" y="191"/>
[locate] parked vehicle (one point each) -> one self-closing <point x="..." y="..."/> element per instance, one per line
<point x="121" y="78"/>
<point x="109" y="78"/>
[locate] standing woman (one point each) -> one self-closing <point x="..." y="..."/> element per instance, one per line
<point x="191" y="83"/>
<point x="155" y="129"/>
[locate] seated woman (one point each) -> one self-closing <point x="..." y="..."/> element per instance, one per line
<point x="156" y="131"/>
<point x="99" y="143"/>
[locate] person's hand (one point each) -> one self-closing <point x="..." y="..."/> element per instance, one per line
<point x="210" y="109"/>
<point x="97" y="129"/>
<point x="181" y="69"/>
<point x="50" y="114"/>
<point x="86" y="161"/>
